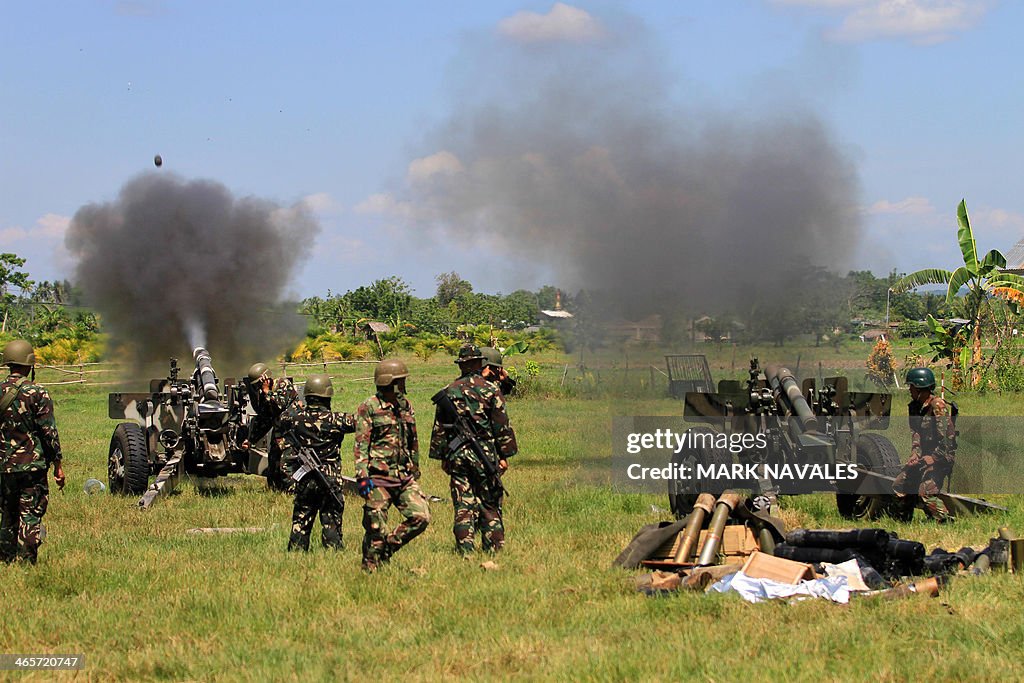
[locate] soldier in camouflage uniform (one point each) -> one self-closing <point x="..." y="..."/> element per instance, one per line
<point x="494" y="372"/>
<point x="30" y="446"/>
<point x="476" y="498"/>
<point x="387" y="456"/>
<point x="932" y="448"/>
<point x="270" y="400"/>
<point x="314" y="426"/>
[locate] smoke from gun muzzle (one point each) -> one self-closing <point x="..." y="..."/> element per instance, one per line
<point x="599" y="172"/>
<point x="174" y="262"/>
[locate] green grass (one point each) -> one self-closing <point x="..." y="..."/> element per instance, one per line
<point x="142" y="599"/>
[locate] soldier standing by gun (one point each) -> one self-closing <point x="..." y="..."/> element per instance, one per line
<point x="315" y="427"/>
<point x="473" y="440"/>
<point x="494" y="372"/>
<point x="30" y="446"/>
<point x="387" y="458"/>
<point x="932" y="450"/>
<point x="269" y="404"/>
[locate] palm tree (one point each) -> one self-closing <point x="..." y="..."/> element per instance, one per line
<point x="982" y="279"/>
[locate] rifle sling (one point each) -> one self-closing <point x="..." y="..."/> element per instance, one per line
<point x="10" y="395"/>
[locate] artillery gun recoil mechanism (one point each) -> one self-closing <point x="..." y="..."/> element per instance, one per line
<point x="181" y="426"/>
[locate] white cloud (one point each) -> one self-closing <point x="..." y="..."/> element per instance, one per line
<point x="997" y="225"/>
<point x="921" y="21"/>
<point x="827" y="4"/>
<point x="52" y="225"/>
<point x="563" y="23"/>
<point x="443" y="162"/>
<point x="321" y="203"/>
<point x="1000" y="218"/>
<point x="48" y="227"/>
<point x="384" y="204"/>
<point x="911" y="206"/>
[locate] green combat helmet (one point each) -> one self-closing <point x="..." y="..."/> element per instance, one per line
<point x="19" y="352"/>
<point x="922" y="378"/>
<point x="388" y="370"/>
<point x="257" y="372"/>
<point x="492" y="356"/>
<point x="318" y="385"/>
<point x="468" y="352"/>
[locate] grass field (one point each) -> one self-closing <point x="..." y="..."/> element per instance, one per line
<point x="142" y="599"/>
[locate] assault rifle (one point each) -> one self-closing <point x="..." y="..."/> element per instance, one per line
<point x="454" y="422"/>
<point x="310" y="462"/>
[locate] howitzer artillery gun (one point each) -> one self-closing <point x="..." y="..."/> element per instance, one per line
<point x="180" y="426"/>
<point x="797" y="424"/>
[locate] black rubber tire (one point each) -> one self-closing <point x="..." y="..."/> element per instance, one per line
<point x="128" y="460"/>
<point x="877" y="453"/>
<point x="681" y="503"/>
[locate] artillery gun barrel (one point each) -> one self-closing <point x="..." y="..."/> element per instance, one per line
<point x="784" y="383"/>
<point x="701" y="508"/>
<point x="207" y="376"/>
<point x="727" y="502"/>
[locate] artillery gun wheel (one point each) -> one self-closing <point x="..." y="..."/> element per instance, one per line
<point x="681" y="502"/>
<point x="128" y="460"/>
<point x="876" y="453"/>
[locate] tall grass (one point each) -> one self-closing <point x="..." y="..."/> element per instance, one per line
<point x="145" y="600"/>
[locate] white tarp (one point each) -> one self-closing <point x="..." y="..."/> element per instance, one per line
<point x="834" y="588"/>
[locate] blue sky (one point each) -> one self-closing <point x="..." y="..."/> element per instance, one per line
<point x="332" y="104"/>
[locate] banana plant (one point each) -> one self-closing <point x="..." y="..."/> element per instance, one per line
<point x="983" y="279"/>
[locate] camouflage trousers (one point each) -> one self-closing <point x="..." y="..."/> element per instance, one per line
<point x="477" y="505"/>
<point x="24" y="496"/>
<point x="923" y="478"/>
<point x="311" y="498"/>
<point x="379" y="544"/>
<point x="278" y="478"/>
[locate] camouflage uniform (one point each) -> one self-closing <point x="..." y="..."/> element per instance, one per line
<point x="931" y="457"/>
<point x="30" y="446"/>
<point x="316" y="427"/>
<point x="388" y="453"/>
<point x="477" y="500"/>
<point x="269" y="409"/>
<point x="506" y="385"/>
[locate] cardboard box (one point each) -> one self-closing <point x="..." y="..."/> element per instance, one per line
<point x="764" y="566"/>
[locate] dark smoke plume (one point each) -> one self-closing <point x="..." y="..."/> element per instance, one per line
<point x="580" y="156"/>
<point x="173" y="264"/>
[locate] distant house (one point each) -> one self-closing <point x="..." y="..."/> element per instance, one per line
<point x="1015" y="259"/>
<point x="555" y="315"/>
<point x="373" y="328"/>
<point x="646" y="330"/>
<point x="873" y="335"/>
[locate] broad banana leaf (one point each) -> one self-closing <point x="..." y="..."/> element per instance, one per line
<point x="961" y="276"/>
<point x="993" y="259"/>
<point x="1006" y="279"/>
<point x="928" y="276"/>
<point x="965" y="235"/>
<point x="516" y="347"/>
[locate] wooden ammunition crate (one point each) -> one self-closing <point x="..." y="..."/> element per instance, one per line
<point x="764" y="566"/>
<point x="738" y="542"/>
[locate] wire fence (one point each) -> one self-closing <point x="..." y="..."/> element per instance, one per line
<point x="107" y="373"/>
<point x="79" y="373"/>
